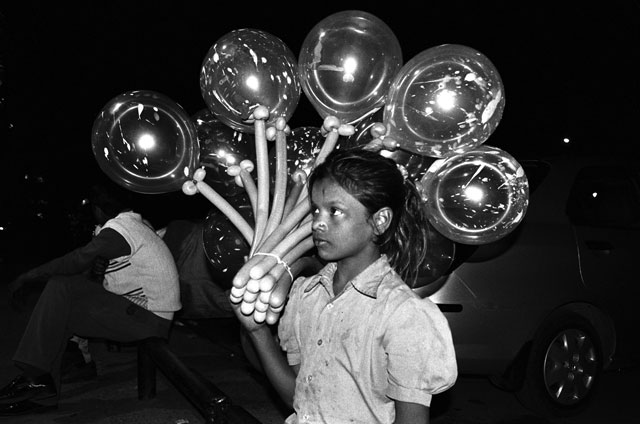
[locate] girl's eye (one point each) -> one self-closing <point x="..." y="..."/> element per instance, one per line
<point x="336" y="212"/>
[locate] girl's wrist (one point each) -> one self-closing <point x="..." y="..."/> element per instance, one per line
<point x="260" y="333"/>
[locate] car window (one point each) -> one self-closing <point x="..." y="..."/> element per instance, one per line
<point x="604" y="197"/>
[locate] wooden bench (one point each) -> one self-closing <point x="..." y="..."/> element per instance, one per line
<point x="209" y="400"/>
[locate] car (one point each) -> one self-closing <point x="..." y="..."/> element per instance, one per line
<point x="545" y="310"/>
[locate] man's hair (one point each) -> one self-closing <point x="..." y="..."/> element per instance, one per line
<point x="110" y="199"/>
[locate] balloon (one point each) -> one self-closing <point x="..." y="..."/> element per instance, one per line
<point x="224" y="245"/>
<point x="221" y="147"/>
<point x="303" y="145"/>
<point x="440" y="254"/>
<point x="145" y="142"/>
<point x="476" y="197"/>
<point x="414" y="165"/>
<point x="362" y="134"/>
<point x="246" y="68"/>
<point x="446" y="100"/>
<point x="346" y="64"/>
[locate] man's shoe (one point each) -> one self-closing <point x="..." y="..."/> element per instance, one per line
<point x="25" y="407"/>
<point x="84" y="371"/>
<point x="28" y="388"/>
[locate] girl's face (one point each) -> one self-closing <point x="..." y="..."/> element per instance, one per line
<point x="341" y="226"/>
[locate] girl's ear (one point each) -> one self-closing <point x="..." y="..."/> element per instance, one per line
<point x="382" y="220"/>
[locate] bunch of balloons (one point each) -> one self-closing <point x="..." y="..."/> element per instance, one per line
<point x="281" y="233"/>
<point x="431" y="115"/>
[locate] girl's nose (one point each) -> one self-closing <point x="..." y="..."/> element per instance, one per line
<point x="319" y="226"/>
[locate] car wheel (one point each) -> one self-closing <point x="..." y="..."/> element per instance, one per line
<point x="564" y="368"/>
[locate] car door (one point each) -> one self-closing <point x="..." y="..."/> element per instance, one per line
<point x="604" y="208"/>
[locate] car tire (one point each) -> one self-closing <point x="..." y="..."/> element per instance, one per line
<point x="563" y="369"/>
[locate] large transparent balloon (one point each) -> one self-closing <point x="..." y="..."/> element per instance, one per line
<point x="414" y="165"/>
<point x="446" y="100"/>
<point x="303" y="145"/>
<point x="439" y="257"/>
<point x="476" y="197"/>
<point x="246" y="68"/>
<point x="362" y="131"/>
<point x="346" y="64"/>
<point x="221" y="147"/>
<point x="145" y="142"/>
<point x="225" y="247"/>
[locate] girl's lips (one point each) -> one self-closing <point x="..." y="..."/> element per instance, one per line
<point x="318" y="241"/>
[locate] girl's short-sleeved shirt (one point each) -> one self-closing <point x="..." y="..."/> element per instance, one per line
<point x="374" y="343"/>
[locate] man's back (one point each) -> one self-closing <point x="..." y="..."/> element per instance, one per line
<point x="148" y="275"/>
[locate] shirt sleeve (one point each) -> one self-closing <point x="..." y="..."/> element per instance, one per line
<point x="108" y="244"/>
<point x="287" y="334"/>
<point x="421" y="356"/>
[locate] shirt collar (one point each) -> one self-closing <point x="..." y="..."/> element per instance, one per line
<point x="367" y="282"/>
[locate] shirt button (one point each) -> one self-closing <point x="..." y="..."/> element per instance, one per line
<point x="319" y="342"/>
<point x="309" y="378"/>
<point x="330" y="306"/>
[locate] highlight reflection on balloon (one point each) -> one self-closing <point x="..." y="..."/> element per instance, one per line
<point x="246" y="68"/>
<point x="446" y="100"/>
<point x="476" y="197"/>
<point x="145" y="142"/>
<point x="346" y="64"/>
<point x="224" y="245"/>
<point x="221" y="147"/>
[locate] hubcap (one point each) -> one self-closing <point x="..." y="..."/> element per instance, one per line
<point x="570" y="366"/>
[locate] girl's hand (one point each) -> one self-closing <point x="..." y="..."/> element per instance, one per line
<point x="247" y="321"/>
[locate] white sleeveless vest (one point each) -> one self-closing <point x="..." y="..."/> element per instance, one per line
<point x="148" y="276"/>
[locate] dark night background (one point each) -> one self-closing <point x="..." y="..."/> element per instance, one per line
<point x="569" y="70"/>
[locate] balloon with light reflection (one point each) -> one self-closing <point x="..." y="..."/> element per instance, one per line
<point x="415" y="165"/>
<point x="303" y="145"/>
<point x="224" y="245"/>
<point x="246" y="68"/>
<point x="446" y="100"/>
<point x="439" y="257"/>
<point x="346" y="64"/>
<point x="221" y="147"/>
<point x="362" y="131"/>
<point x="476" y="197"/>
<point x="145" y="142"/>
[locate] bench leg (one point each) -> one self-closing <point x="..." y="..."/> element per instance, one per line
<point x="209" y="400"/>
<point x="146" y="374"/>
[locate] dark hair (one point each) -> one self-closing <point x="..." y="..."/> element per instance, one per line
<point x="376" y="182"/>
<point x="110" y="199"/>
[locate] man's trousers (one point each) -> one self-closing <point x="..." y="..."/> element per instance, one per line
<point x="76" y="305"/>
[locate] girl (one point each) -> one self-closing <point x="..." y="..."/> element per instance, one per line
<point x="361" y="346"/>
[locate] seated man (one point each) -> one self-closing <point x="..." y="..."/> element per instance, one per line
<point x="136" y="300"/>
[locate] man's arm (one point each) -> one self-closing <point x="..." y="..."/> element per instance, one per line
<point x="108" y="244"/>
